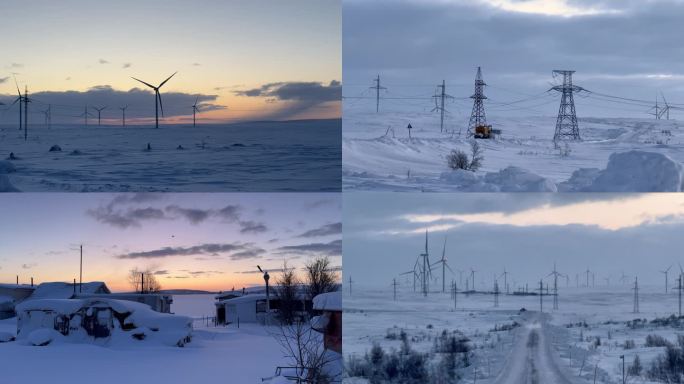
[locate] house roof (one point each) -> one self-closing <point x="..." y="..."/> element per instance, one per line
<point x="59" y="290"/>
<point x="244" y="299"/>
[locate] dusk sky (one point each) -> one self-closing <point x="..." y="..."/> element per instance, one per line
<point x="638" y="234"/>
<point x="623" y="48"/>
<point x="193" y="241"/>
<point x="262" y="60"/>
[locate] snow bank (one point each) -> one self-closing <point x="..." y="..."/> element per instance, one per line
<point x="6" y="337"/>
<point x="633" y="171"/>
<point x="5" y="185"/>
<point x="6" y="167"/>
<point x="510" y="179"/>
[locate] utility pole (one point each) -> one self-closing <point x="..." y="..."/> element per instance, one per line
<point x="394" y="284"/>
<point x="566" y="124"/>
<point x="442" y="96"/>
<point x="477" y="116"/>
<point x="377" y="87"/>
<point x="455" y="290"/>
<point x="496" y="294"/>
<point x="541" y="296"/>
<point x="80" y="279"/>
<point x="350" y="286"/>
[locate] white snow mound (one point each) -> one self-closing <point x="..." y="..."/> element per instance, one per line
<point x="633" y="171"/>
<point x="515" y="179"/>
<point x="42" y="336"/>
<point x="6" y="337"/>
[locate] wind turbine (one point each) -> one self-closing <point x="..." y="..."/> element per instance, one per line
<point x="19" y="100"/>
<point x="195" y="109"/>
<point x="666" y="110"/>
<point x="123" y="111"/>
<point x="157" y="98"/>
<point x="427" y="269"/>
<point x="443" y="261"/>
<point x="99" y="113"/>
<point x="472" y="278"/>
<point x="505" y="276"/>
<point x="666" y="271"/>
<point x="85" y="114"/>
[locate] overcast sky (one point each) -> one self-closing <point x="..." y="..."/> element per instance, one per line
<point x="197" y="241"/>
<point x="625" y="48"/>
<point x="244" y="59"/>
<point x="525" y="233"/>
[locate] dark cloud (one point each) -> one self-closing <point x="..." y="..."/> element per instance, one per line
<point x="4" y="79"/>
<point x="212" y="249"/>
<point x="29" y="265"/>
<point x="622" y="53"/>
<point x="126" y="65"/>
<point x="325" y="230"/>
<point x="229" y="212"/>
<point x="70" y="104"/>
<point x="125" y="219"/>
<point x="333" y="248"/>
<point x="193" y="215"/>
<point x="251" y="253"/>
<point x="103" y="61"/>
<point x="297" y="97"/>
<point x="252" y="227"/>
<point x="162" y="272"/>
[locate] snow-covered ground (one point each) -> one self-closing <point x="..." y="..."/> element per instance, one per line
<point x="224" y="354"/>
<point x="378" y="154"/>
<point x="371" y="315"/>
<point x="266" y="156"/>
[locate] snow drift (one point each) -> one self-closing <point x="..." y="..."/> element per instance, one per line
<point x="633" y="171"/>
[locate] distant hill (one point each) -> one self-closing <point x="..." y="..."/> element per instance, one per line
<point x="186" y="292"/>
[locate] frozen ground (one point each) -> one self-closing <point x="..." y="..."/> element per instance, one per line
<point x="378" y="154"/>
<point x="565" y="350"/>
<point x="267" y="156"/>
<point x="220" y="354"/>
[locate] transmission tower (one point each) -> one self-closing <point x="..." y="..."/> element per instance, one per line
<point x="636" y="295"/>
<point x="566" y="124"/>
<point x="477" y="117"/>
<point x="377" y="87"/>
<point x="440" y="98"/>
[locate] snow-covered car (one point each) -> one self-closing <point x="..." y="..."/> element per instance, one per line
<point x="99" y="320"/>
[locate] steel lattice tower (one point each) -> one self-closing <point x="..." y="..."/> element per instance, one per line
<point x="477" y="117"/>
<point x="566" y="124"/>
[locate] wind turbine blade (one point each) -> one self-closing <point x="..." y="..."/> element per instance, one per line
<point x="447" y="265"/>
<point x="169" y="78"/>
<point x="148" y="84"/>
<point x="161" y="106"/>
<point x="196" y="100"/>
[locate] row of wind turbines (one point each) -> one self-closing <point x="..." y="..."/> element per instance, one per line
<point x="23" y="100"/>
<point x="422" y="274"/>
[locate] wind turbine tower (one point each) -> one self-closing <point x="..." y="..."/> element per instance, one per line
<point x="195" y="109"/>
<point x="123" y="117"/>
<point x="99" y="113"/>
<point x="665" y="272"/>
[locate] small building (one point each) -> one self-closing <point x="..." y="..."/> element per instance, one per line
<point x="252" y="308"/>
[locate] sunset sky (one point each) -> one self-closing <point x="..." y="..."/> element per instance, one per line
<point x="193" y="241"/>
<point x="265" y="59"/>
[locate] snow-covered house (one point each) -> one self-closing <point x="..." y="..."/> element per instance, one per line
<point x="252" y="307"/>
<point x="10" y="295"/>
<point x="157" y="301"/>
<point x="59" y="290"/>
<point x="98" y="319"/>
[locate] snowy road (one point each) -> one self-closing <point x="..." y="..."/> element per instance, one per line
<point x="532" y="359"/>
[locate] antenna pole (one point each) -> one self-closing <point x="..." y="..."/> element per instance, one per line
<point x="377" y="87"/>
<point x="541" y="296"/>
<point x="394" y="283"/>
<point x="80" y="279"/>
